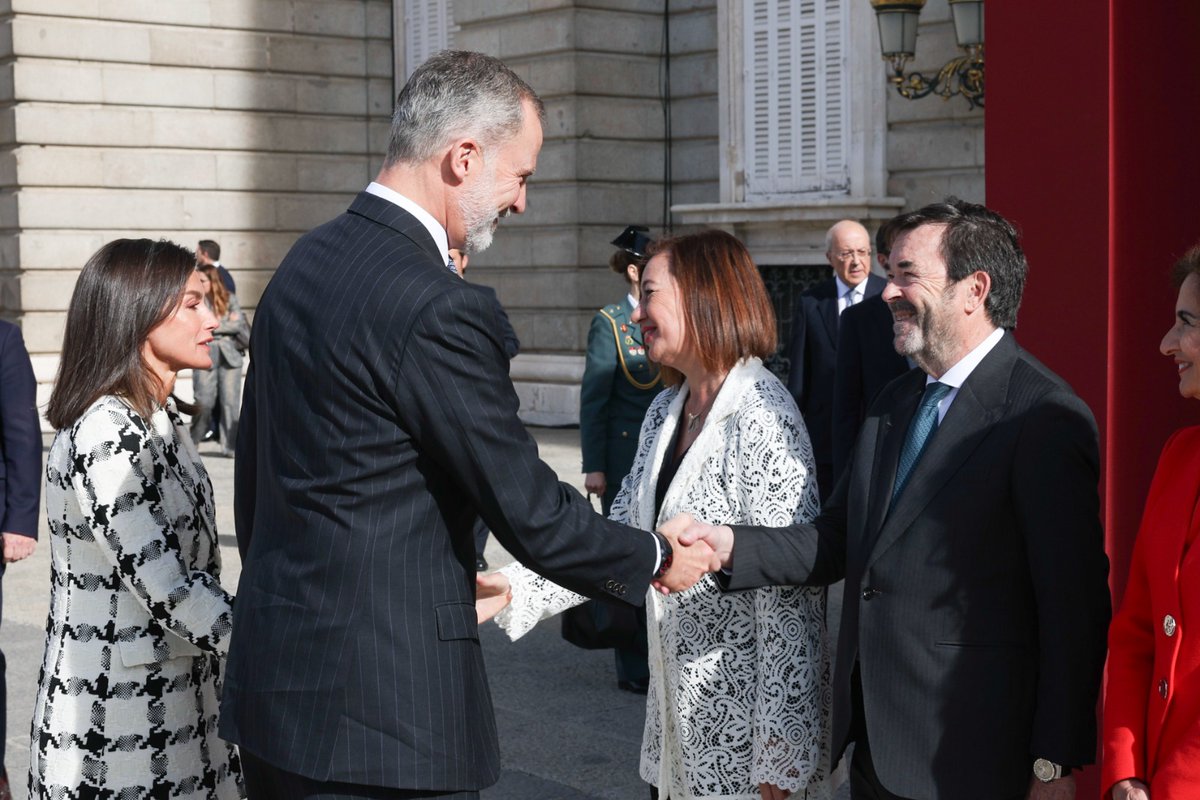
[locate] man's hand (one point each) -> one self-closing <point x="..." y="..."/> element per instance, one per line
<point x="595" y="483"/>
<point x="769" y="791"/>
<point x="492" y="594"/>
<point x="689" y="531"/>
<point x="1061" y="789"/>
<point x="1131" y="789"/>
<point x="689" y="564"/>
<point x="17" y="547"/>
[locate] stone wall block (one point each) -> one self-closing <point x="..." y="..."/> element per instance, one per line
<point x="303" y="212"/>
<point x="273" y="15"/>
<point x="58" y="248"/>
<point x="46" y="291"/>
<point x="89" y="208"/>
<point x="9" y="209"/>
<point x="695" y="160"/>
<point x="58" y="166"/>
<point x="8" y="126"/>
<point x="56" y="81"/>
<point x="10" y="251"/>
<point x="208" y="48"/>
<point x="380" y="100"/>
<point x="524" y="36"/>
<point x="158" y="86"/>
<point x="7" y="88"/>
<point x="324" y="18"/>
<point x="43" y="331"/>
<point x="8" y="168"/>
<point x="230" y="211"/>
<point x="616" y="160"/>
<point x="553" y="74"/>
<point x="616" y="32"/>
<point x="193" y="12"/>
<point x="932" y="146"/>
<point x="345" y="174"/>
<point x="619" y="118"/>
<point x="694" y="32"/>
<point x="694" y="117"/>
<point x="613" y="203"/>
<point x="693" y="75"/>
<point x="318" y="56"/>
<point x="480" y="11"/>
<point x="255" y="92"/>
<point x="6" y="40"/>
<point x="618" y="75"/>
<point x="55" y="37"/>
<point x="921" y="188"/>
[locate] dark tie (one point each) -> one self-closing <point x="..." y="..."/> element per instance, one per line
<point x="924" y="423"/>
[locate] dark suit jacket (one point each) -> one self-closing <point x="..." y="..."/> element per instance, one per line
<point x="813" y="357"/>
<point x="977" y="607"/>
<point x="508" y="336"/>
<point x="378" y="420"/>
<point x="866" y="362"/>
<point x="20" y="436"/>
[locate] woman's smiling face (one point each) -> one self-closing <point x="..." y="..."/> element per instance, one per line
<point x="1182" y="342"/>
<point x="660" y="313"/>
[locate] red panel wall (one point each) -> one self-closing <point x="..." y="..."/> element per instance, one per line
<point x="1092" y="148"/>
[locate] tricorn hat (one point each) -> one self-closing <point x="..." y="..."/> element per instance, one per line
<point x="634" y="240"/>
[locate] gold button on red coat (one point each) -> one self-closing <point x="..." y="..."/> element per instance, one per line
<point x="1162" y="688"/>
<point x="1169" y="626"/>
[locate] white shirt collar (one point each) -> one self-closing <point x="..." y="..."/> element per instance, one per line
<point x="633" y="303"/>
<point x="424" y="217"/>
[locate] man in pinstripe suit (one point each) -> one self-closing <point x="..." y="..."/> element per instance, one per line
<point x="966" y="526"/>
<point x="378" y="419"/>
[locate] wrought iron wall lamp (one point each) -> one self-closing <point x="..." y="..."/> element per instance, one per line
<point x="898" y="41"/>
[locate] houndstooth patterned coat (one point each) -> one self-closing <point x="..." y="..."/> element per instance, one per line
<point x="139" y="624"/>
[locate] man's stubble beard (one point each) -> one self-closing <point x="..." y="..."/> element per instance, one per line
<point x="478" y="208"/>
<point x="927" y="339"/>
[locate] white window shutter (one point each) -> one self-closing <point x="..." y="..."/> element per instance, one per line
<point x="797" y="121"/>
<point x="428" y="28"/>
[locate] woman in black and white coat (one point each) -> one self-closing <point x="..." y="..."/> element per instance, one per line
<point x="129" y="687"/>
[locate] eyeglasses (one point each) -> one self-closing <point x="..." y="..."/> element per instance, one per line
<point x="846" y="255"/>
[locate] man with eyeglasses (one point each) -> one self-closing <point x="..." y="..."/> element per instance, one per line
<point x="813" y="348"/>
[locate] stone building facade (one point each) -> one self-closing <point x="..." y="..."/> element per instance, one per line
<point x="251" y="121"/>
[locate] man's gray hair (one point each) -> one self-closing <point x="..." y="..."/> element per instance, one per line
<point x="457" y="93"/>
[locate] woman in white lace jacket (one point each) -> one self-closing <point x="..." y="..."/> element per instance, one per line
<point x="739" y="699"/>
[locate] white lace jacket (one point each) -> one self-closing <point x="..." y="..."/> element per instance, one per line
<point x="739" y="682"/>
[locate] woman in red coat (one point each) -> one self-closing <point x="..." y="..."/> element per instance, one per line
<point x="1151" y="729"/>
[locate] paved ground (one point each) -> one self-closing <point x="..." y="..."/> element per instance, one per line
<point x="567" y="732"/>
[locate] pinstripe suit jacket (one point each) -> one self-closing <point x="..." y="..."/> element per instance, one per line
<point x="378" y="420"/>
<point x="976" y="607"/>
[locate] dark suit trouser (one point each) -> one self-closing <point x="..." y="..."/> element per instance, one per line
<point x="266" y="782"/>
<point x="3" y="684"/>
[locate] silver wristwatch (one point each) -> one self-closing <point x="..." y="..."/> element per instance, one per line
<point x="1045" y="770"/>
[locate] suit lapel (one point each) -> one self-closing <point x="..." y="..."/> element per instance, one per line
<point x="893" y="429"/>
<point x="979" y="403"/>
<point x="393" y="216"/>
<point x="829" y="315"/>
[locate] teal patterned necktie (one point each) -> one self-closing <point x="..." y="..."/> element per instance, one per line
<point x="924" y="423"/>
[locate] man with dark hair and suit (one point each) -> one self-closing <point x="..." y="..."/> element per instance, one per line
<point x="378" y="422"/>
<point x="812" y="351"/>
<point x="21" y="478"/>
<point x="866" y="360"/>
<point x="967" y="529"/>
<point x="208" y="252"/>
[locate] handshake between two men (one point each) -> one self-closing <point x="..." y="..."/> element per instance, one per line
<point x="697" y="549"/>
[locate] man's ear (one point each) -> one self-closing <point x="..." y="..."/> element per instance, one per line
<point x="978" y="286"/>
<point x="465" y="157"/>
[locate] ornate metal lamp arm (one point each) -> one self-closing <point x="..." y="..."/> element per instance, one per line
<point x="962" y="75"/>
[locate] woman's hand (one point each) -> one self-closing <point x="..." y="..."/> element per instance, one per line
<point x="492" y="594"/>
<point x="595" y="483"/>
<point x="1130" y="789"/>
<point x="770" y="791"/>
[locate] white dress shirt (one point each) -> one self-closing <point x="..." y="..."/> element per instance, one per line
<point x="843" y="288"/>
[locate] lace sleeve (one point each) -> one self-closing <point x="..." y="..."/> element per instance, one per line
<point x="534" y="599"/>
<point x="792" y="705"/>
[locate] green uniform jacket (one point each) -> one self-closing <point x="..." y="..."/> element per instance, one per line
<point x="618" y="384"/>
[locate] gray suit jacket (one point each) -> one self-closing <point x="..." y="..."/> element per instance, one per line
<point x="378" y="420"/>
<point x="976" y="609"/>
